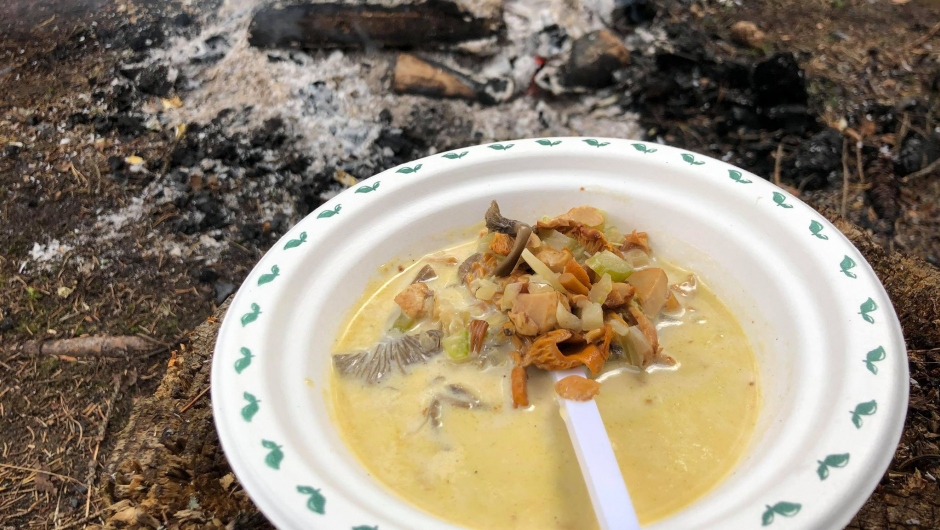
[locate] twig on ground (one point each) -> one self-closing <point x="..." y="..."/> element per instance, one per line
<point x="910" y="461"/>
<point x="55" y="516"/>
<point x="195" y="399"/>
<point x="902" y="132"/>
<point x="925" y="37"/>
<point x="21" y="468"/>
<point x="153" y="340"/>
<point x="82" y="180"/>
<point x="83" y="520"/>
<point x="169" y="152"/>
<point x="92" y="467"/>
<point x="935" y="165"/>
<point x="98" y="346"/>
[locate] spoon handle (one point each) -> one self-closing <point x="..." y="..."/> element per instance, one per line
<point x="605" y="484"/>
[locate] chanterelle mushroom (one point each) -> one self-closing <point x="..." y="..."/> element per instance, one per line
<point x="495" y="222"/>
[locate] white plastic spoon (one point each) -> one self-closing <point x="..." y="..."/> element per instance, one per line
<point x="605" y="484"/>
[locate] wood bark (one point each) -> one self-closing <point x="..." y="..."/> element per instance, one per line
<point x="364" y="25"/>
<point x="426" y="78"/>
<point x="912" y="284"/>
<point x="168" y="465"/>
<point x="594" y="59"/>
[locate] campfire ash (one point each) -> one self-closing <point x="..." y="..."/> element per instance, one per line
<point x="264" y="134"/>
<point x="270" y="108"/>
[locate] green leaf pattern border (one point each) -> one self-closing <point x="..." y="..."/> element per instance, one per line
<point x="315" y="501"/>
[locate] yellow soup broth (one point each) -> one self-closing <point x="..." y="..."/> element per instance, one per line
<point x="676" y="432"/>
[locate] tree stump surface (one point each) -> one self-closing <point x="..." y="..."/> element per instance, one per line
<point x="168" y="468"/>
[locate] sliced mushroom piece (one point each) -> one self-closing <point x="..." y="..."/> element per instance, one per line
<point x="590" y="356"/>
<point x="475" y="267"/>
<point x="583" y="215"/>
<point x="555" y="260"/>
<point x="586" y="215"/>
<point x="426" y="274"/>
<point x="638" y="240"/>
<point x="614" y="300"/>
<point x="575" y="269"/>
<point x="508" y="264"/>
<point x="467" y="266"/>
<point x="571" y="283"/>
<point x="520" y="392"/>
<point x="577" y="388"/>
<point x="389" y="355"/>
<point x="578" y="300"/>
<point x="672" y="303"/>
<point x="477" y="329"/>
<point x="495" y="222"/>
<point x="544" y="352"/>
<point x="591" y="239"/>
<point x="620" y="295"/>
<point x="459" y="396"/>
<point x="433" y="414"/>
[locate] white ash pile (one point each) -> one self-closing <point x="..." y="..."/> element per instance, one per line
<point x="287" y="103"/>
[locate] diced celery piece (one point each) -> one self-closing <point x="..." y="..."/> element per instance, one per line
<point x="558" y="241"/>
<point x="457" y="345"/>
<point x="403" y="322"/>
<point x="607" y="262"/>
<point x="613" y="235"/>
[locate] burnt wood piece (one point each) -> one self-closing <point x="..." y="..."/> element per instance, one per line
<point x="428" y="78"/>
<point x="594" y="59"/>
<point x="433" y="23"/>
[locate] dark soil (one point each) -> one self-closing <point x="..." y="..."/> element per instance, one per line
<point x="835" y="82"/>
